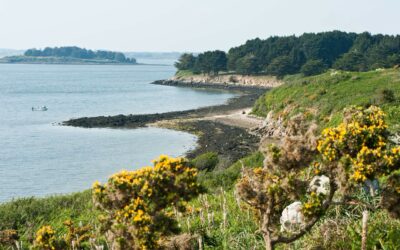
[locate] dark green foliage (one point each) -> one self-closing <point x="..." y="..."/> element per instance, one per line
<point x="326" y="46"/>
<point x="313" y="67"/>
<point x="211" y="62"/>
<point x="386" y="96"/>
<point x="280" y="66"/>
<point x="247" y="65"/>
<point x="185" y="62"/>
<point x="352" y="61"/>
<point x="287" y="55"/>
<point x="206" y="161"/>
<point x="76" y="52"/>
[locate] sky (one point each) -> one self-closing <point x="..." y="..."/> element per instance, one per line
<point x="183" y="25"/>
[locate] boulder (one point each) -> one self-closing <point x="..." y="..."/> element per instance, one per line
<point x="320" y="185"/>
<point x="292" y="218"/>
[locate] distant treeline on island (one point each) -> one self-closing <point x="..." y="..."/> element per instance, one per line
<point x="310" y="53"/>
<point x="70" y="55"/>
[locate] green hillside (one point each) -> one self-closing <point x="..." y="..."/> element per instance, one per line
<point x="324" y="96"/>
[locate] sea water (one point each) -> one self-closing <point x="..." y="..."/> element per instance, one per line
<point x="38" y="157"/>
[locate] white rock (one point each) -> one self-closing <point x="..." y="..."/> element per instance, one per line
<point x="395" y="138"/>
<point x="292" y="219"/>
<point x="320" y="185"/>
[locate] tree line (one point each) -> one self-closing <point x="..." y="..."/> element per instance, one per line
<point x="76" y="52"/>
<point x="310" y="54"/>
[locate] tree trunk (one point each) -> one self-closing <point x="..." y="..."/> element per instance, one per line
<point x="267" y="240"/>
<point x="265" y="230"/>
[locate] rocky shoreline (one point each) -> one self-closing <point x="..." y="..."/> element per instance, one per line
<point x="230" y="142"/>
<point x="228" y="80"/>
<point x="212" y="85"/>
<point x="246" y="99"/>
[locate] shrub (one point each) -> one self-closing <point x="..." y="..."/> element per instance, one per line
<point x="386" y="95"/>
<point x="271" y="188"/>
<point x="206" y="161"/>
<point x="226" y="178"/>
<point x="77" y="236"/>
<point x="138" y="205"/>
<point x="45" y="239"/>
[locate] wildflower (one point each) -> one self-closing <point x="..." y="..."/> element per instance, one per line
<point x="45" y="238"/>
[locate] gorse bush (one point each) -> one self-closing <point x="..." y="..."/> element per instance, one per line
<point x="360" y="143"/>
<point x="46" y="239"/>
<point x="282" y="180"/>
<point x="138" y="206"/>
<point x="358" y="152"/>
<point x="296" y="186"/>
<point x="77" y="237"/>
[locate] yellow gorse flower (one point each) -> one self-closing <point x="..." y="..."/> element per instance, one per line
<point x="45" y="238"/>
<point x="361" y="138"/>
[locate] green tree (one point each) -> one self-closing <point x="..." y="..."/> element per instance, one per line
<point x="280" y="66"/>
<point x="352" y="61"/>
<point x="313" y="67"/>
<point x="185" y="62"/>
<point x="247" y="65"/>
<point x="211" y="62"/>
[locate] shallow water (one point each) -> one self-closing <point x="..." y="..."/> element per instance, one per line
<point x="39" y="158"/>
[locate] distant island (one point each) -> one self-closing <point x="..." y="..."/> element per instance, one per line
<point x="69" y="55"/>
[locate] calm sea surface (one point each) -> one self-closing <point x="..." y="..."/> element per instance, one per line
<point x="38" y="158"/>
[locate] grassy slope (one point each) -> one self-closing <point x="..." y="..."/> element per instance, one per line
<point x="28" y="214"/>
<point x="324" y="96"/>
